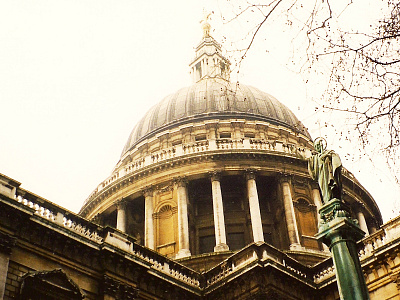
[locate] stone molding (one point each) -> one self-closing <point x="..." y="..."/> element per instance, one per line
<point x="215" y="175"/>
<point x="7" y="242"/>
<point x="118" y="289"/>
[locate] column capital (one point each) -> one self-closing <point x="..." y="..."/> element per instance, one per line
<point x="121" y="204"/>
<point x="285" y="177"/>
<point x="180" y="181"/>
<point x="148" y="191"/>
<point x="359" y="205"/>
<point x="215" y="175"/>
<point x="250" y="174"/>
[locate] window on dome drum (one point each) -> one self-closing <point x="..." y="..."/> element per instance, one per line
<point x="178" y="142"/>
<point x="202" y="137"/>
<point x="233" y="190"/>
<point x="306" y="216"/>
<point x="206" y="244"/>
<point x="200" y="197"/>
<point x="135" y="219"/>
<point x="271" y="211"/>
<point x="236" y="211"/>
<point x="110" y="219"/>
<point x="250" y="135"/>
<point x="235" y="240"/>
<point x="225" y="135"/>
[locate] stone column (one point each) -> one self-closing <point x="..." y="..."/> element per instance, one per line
<point x="361" y="218"/>
<point x="148" y="219"/>
<point x="374" y="226"/>
<point x="121" y="216"/>
<point x="289" y="214"/>
<point x="254" y="204"/>
<point x="183" y="220"/>
<point x="219" y="221"/>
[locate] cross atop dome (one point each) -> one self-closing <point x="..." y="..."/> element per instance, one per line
<point x="208" y="61"/>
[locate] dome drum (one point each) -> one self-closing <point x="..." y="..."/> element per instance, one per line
<point x="277" y="167"/>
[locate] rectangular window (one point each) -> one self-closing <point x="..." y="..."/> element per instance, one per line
<point x="200" y="137"/>
<point x="225" y="135"/>
<point x="250" y="135"/>
<point x="235" y="240"/>
<point x="206" y="244"/>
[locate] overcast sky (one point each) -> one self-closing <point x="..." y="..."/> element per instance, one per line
<point x="75" y="77"/>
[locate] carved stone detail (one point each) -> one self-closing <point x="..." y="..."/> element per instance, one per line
<point x="119" y="290"/>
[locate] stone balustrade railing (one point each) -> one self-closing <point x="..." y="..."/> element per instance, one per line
<point x="152" y="259"/>
<point x="368" y="246"/>
<point x="202" y="147"/>
<point x="57" y="215"/>
<point x="257" y="253"/>
<point x="105" y="235"/>
<point x="252" y="254"/>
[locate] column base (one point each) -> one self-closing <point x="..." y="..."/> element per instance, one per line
<point x="296" y="247"/>
<point x="221" y="248"/>
<point x="183" y="253"/>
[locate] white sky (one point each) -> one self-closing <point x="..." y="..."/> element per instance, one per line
<point x="76" y="76"/>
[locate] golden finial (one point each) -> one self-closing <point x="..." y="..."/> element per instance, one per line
<point x="205" y="25"/>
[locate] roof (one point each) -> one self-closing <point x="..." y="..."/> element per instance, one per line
<point x="213" y="98"/>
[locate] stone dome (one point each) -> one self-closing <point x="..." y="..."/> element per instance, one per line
<point x="213" y="98"/>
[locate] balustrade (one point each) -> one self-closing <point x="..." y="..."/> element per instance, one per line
<point x="87" y="229"/>
<point x="203" y="146"/>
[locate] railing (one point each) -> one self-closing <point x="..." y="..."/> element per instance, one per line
<point x="368" y="246"/>
<point x="106" y="235"/>
<point x="57" y="215"/>
<point x="252" y="254"/>
<point x="201" y="147"/>
<point x="389" y="232"/>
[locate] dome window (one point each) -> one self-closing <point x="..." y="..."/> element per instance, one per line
<point x="225" y="135"/>
<point x="202" y="137"/>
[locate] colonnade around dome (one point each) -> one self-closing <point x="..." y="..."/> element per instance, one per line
<point x="219" y="185"/>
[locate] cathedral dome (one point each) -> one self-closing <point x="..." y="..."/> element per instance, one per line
<point x="213" y="98"/>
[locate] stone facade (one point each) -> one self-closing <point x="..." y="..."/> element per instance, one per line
<point x="47" y="252"/>
<point x="211" y="199"/>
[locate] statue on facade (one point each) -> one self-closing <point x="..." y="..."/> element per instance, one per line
<point x="325" y="167"/>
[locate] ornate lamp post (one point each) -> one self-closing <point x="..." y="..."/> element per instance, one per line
<point x="337" y="229"/>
